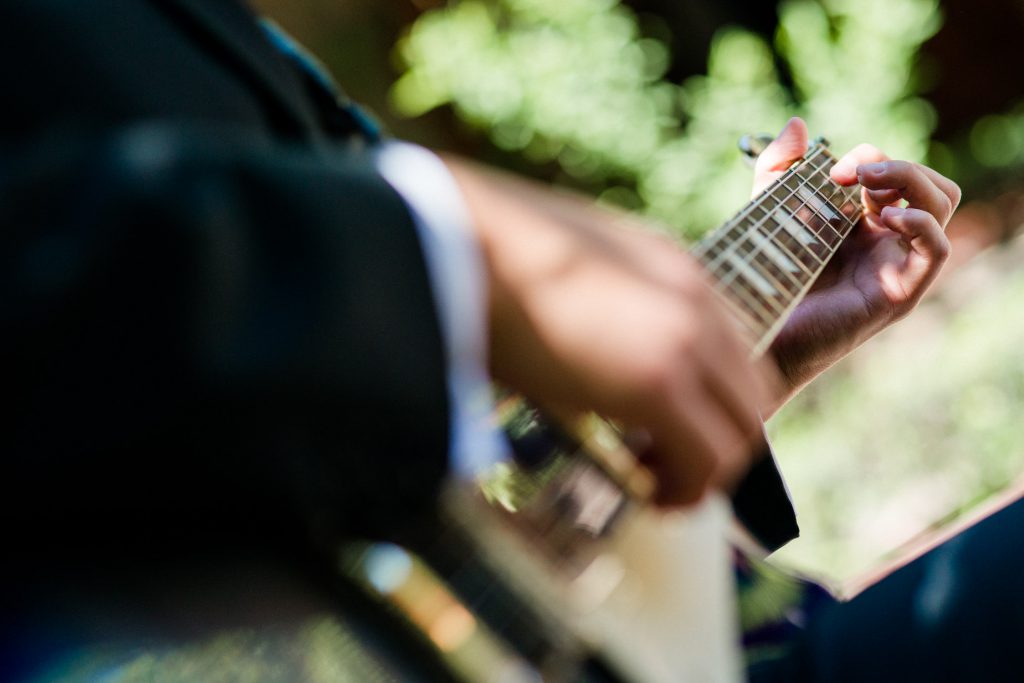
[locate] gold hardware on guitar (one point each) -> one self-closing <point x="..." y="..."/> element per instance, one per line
<point x="752" y="145"/>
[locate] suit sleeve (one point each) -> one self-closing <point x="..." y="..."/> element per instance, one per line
<point x="458" y="281"/>
<point x="762" y="503"/>
<point x="206" y="337"/>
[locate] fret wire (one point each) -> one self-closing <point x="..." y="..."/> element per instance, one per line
<point x="819" y="152"/>
<point x="756" y="327"/>
<point x="781" y="182"/>
<point x="795" y="193"/>
<point x="815" y="189"/>
<point x="773" y="306"/>
<point x="836" y="191"/>
<point x="769" y="335"/>
<point x="815" y="263"/>
<point x="754" y="250"/>
<point x="796" y="277"/>
<point x="848" y="195"/>
<point x="734" y="253"/>
<point x="767" y="273"/>
<point x="757" y="248"/>
<point x="853" y="196"/>
<point x="810" y="178"/>
<point x="730" y="281"/>
<point x="836" y="209"/>
<point x="746" y="315"/>
<point x="826" y="181"/>
<point x="724" y="280"/>
<point x="822" y="241"/>
<point x="755" y="224"/>
<point x="758" y="225"/>
<point x="791" y="213"/>
<point x="848" y="224"/>
<point x="742" y="295"/>
<point x="771" y="236"/>
<point x="768" y="194"/>
<point x="816" y="193"/>
<point x="764" y="316"/>
<point x="758" y="201"/>
<point x="815" y="207"/>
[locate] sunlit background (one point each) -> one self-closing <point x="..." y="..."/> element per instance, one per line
<point x="640" y="104"/>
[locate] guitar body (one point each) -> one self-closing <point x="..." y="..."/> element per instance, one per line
<point x="648" y="594"/>
<point x="672" y="615"/>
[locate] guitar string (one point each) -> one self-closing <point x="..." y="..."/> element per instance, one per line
<point x="758" y="201"/>
<point x="850" y="200"/>
<point x="822" y="198"/>
<point x="770" y="195"/>
<point x="766" y="310"/>
<point x="742" y="302"/>
<point x="834" y="207"/>
<point x="514" y="609"/>
<point x="805" y="174"/>
<point x="728" y="250"/>
<point x="755" y="309"/>
<point x="757" y="254"/>
<point x="780" y="206"/>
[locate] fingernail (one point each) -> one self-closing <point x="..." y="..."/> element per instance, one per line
<point x="843" y="167"/>
<point x="873" y="169"/>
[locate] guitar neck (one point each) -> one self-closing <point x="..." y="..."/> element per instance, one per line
<point x="765" y="258"/>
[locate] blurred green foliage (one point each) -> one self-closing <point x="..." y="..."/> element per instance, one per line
<point x="997" y="140"/>
<point x="890" y="441"/>
<point x="578" y="83"/>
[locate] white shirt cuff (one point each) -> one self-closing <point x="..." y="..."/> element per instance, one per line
<point x="455" y="266"/>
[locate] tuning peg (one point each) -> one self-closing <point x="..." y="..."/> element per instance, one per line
<point x="752" y="145"/>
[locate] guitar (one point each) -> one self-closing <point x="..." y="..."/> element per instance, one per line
<point x="555" y="566"/>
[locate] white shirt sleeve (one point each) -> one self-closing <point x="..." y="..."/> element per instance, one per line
<point x="455" y="266"/>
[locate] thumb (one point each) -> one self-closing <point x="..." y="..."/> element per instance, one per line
<point x="790" y="145"/>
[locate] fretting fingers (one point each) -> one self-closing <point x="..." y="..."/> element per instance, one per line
<point x="702" y="415"/>
<point x="950" y="188"/>
<point x="912" y="184"/>
<point x="929" y="246"/>
<point x="695" y="445"/>
<point x="919" y="229"/>
<point x="845" y="170"/>
<point x="790" y="145"/>
<point x="876" y="200"/>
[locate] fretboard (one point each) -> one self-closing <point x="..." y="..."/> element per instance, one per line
<point x="765" y="258"/>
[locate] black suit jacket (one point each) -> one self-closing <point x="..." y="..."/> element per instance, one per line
<point x="216" y="315"/>
<point x="219" y="342"/>
<point x="218" y="333"/>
